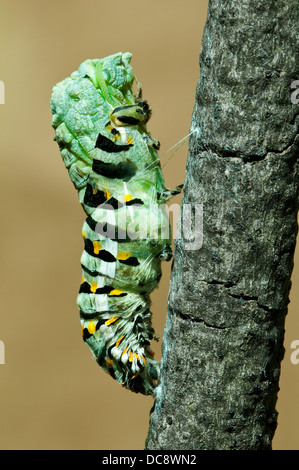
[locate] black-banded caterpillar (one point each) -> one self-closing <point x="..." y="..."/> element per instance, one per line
<point x="112" y="160"/>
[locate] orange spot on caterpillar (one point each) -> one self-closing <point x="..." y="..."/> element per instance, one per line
<point x="128" y="197"/>
<point x="116" y="292"/>
<point x="107" y="194"/>
<point x="111" y="320"/>
<point x="91" y="327"/>
<point x="96" y="247"/>
<point x="119" y="341"/>
<point x="93" y="287"/>
<point x="123" y="255"/>
<point x="124" y="351"/>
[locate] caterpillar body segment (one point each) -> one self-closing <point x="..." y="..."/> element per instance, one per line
<point x="113" y="163"/>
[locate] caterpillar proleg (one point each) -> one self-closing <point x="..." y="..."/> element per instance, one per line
<point x="113" y="163"/>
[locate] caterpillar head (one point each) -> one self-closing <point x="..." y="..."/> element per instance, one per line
<point x="131" y="115"/>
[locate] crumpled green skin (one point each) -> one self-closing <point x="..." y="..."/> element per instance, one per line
<point x="120" y="269"/>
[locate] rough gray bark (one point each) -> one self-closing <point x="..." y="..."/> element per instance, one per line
<point x="223" y="340"/>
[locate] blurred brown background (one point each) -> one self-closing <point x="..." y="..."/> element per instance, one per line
<point x="53" y="395"/>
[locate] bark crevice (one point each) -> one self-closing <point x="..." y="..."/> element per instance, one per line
<point x="254" y="158"/>
<point x="185" y="316"/>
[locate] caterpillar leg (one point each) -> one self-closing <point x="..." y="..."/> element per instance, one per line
<point x="169" y="193"/>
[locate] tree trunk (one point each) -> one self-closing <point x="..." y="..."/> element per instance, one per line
<point x="223" y="339"/>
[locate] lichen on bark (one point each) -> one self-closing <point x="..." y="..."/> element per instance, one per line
<point x="223" y="339"/>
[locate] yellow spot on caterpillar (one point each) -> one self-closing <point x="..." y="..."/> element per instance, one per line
<point x="136" y="355"/>
<point x="109" y="127"/>
<point x="94" y="190"/>
<point x="130" y="356"/>
<point x="84" y="235"/>
<point x="91" y="327"/>
<point x="82" y="328"/>
<point x="111" y="320"/>
<point x="143" y="359"/>
<point x="82" y="280"/>
<point x="109" y="363"/>
<point x="130" y="140"/>
<point x="128" y="197"/>
<point x="124" y="255"/>
<point x="116" y="292"/>
<point x="118" y="341"/>
<point x="96" y="247"/>
<point x="124" y="351"/>
<point x="93" y="287"/>
<point x="107" y="194"/>
<point x="135" y="375"/>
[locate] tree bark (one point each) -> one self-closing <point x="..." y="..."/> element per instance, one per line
<point x="223" y="339"/>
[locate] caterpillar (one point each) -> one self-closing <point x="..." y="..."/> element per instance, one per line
<point x="100" y="127"/>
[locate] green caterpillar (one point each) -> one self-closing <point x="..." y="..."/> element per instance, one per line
<point x="112" y="161"/>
